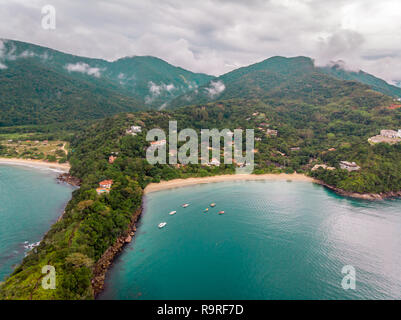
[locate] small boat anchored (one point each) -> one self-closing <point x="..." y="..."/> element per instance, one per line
<point x="162" y="224"/>
<point x="206" y="210"/>
<point x="212" y="205"/>
<point x="172" y="212"/>
<point x="185" y="205"/>
<point x="221" y="212"/>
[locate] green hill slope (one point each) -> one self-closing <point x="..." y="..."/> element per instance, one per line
<point x="279" y="78"/>
<point x="146" y="81"/>
<point x="375" y="83"/>
<point x="33" y="94"/>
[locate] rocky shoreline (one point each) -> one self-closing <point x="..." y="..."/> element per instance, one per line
<point x="365" y="196"/>
<point x="67" y="178"/>
<point x="106" y="260"/>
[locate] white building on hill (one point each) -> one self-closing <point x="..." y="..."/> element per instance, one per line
<point x="349" y="166"/>
<point x="390" y="133"/>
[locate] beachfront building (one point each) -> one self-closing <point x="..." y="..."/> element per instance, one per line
<point x="349" y="166"/>
<point x="323" y="166"/>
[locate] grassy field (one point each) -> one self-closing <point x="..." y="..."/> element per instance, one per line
<point x="15" y="147"/>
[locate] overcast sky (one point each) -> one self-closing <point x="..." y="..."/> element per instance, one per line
<point x="216" y="36"/>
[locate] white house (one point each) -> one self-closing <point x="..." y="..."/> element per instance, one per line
<point x="349" y="166"/>
<point x="390" y="133"/>
<point x="136" y="129"/>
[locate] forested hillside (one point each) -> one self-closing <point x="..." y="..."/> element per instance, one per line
<point x="302" y="117"/>
<point x="33" y="94"/>
<point x="375" y="83"/>
<point x="306" y="135"/>
<point x="39" y="85"/>
<point x="295" y="79"/>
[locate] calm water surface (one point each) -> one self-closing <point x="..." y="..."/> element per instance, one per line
<point x="31" y="200"/>
<point x="277" y="240"/>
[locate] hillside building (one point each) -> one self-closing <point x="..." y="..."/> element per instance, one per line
<point x="349" y="166"/>
<point x="390" y="133"/>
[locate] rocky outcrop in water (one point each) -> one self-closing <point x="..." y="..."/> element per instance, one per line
<point x="67" y="178"/>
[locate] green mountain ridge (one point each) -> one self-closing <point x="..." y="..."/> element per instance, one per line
<point x="278" y="77"/>
<point x="39" y="85"/>
<point x="129" y="75"/>
<point x="375" y="83"/>
<point x="33" y="94"/>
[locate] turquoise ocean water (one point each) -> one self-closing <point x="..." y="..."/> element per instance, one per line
<point x="31" y="200"/>
<point x="276" y="240"/>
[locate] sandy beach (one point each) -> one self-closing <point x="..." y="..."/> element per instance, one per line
<point x="65" y="167"/>
<point x="176" y="183"/>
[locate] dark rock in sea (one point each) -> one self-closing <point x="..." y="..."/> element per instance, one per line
<point x="67" y="178"/>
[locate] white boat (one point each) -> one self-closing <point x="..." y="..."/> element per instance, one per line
<point x="172" y="212"/>
<point x="162" y="224"/>
<point x="185" y="205"/>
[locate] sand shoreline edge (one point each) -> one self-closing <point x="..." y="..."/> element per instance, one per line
<point x="177" y="183"/>
<point x="65" y="167"/>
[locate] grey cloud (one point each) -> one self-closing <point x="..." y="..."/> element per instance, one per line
<point x="215" y="88"/>
<point x="381" y="56"/>
<point x="82" y="67"/>
<point x="215" y="36"/>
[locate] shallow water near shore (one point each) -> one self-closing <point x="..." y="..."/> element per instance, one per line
<point x="276" y="240"/>
<point x="31" y="200"/>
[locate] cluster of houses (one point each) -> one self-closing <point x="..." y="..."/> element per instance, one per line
<point x="345" y="165"/>
<point x="386" y="136"/>
<point x="104" y="186"/>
